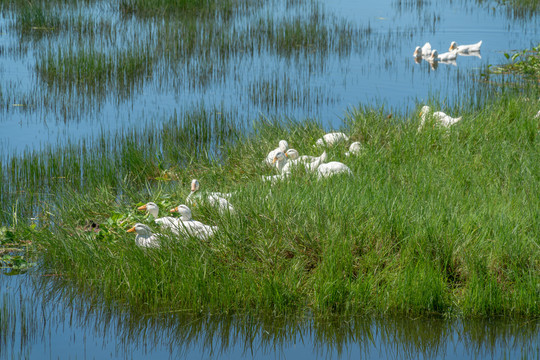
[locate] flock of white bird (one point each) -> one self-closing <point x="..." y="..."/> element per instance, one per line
<point x="285" y="161"/>
<point x="432" y="56"/>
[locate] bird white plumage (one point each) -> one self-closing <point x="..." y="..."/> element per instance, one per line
<point x="167" y="222"/>
<point x="355" y="148"/>
<point x="465" y="49"/>
<point x="283" y="147"/>
<point x="447" y="56"/>
<point x="214" y="199"/>
<point x="280" y="160"/>
<point x="331" y="139"/>
<point x="310" y="163"/>
<point x="192" y="227"/>
<point x="332" y="168"/>
<point x="145" y="238"/>
<point x="422" y="51"/>
<point x="439" y="117"/>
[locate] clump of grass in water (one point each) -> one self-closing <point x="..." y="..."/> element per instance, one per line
<point x="177" y="7"/>
<point x="34" y="18"/>
<point x="90" y="70"/>
<point x="433" y="222"/>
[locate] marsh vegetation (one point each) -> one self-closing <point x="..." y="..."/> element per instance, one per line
<point x="150" y="94"/>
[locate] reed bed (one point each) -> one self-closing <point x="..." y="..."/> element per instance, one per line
<point x="88" y="69"/>
<point x="437" y="222"/>
<point x="168" y="8"/>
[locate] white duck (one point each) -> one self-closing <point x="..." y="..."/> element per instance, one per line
<point x="440" y="118"/>
<point x="215" y="199"/>
<point x="331" y="139"/>
<point x="167" y="222"/>
<point x="422" y="51"/>
<point x="332" y="168"/>
<point x="447" y="56"/>
<point x="465" y="49"/>
<point x="283" y="147"/>
<point x="192" y="227"/>
<point x="144" y="237"/>
<point x="280" y="160"/>
<point x="272" y="179"/>
<point x="355" y="148"/>
<point x="309" y="162"/>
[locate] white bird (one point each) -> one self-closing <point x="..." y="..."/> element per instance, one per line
<point x="214" y="199"/>
<point x="465" y="49"/>
<point x="422" y="51"/>
<point x="192" y="227"/>
<point x="272" y="179"/>
<point x="332" y="168"/>
<point x="309" y="162"/>
<point x="331" y="139"/>
<point x="144" y="237"/>
<point x="447" y="56"/>
<point x="167" y="222"/>
<point x="440" y="118"/>
<point x="280" y="159"/>
<point x="355" y="148"/>
<point x="283" y="147"/>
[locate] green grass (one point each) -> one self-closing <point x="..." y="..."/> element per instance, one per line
<point x="91" y="69"/>
<point x="438" y="222"/>
<point x="177" y="7"/>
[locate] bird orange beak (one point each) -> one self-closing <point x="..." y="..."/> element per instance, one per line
<point x="274" y="161"/>
<point x="193" y="187"/>
<point x="174" y="210"/>
<point x="421" y="113"/>
<point x="132" y="229"/>
<point x="142" y="207"/>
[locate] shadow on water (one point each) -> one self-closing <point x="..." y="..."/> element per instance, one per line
<point x="84" y="324"/>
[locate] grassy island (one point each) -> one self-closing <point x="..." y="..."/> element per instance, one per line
<point x="442" y="221"/>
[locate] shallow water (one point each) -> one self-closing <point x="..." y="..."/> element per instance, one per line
<point x="252" y="78"/>
<point x="61" y="326"/>
<point x="365" y="59"/>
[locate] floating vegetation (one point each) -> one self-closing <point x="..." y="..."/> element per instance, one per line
<point x="15" y="257"/>
<point x="525" y="62"/>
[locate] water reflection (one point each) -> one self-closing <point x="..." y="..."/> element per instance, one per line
<point x="279" y="58"/>
<point x="34" y="320"/>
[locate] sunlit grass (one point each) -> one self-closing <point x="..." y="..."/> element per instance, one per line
<point x="438" y="222"/>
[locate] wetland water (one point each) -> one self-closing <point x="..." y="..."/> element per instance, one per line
<point x="298" y="60"/>
<point x="50" y="323"/>
<point x="360" y="53"/>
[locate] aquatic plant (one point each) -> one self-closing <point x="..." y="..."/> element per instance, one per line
<point x="525" y="62"/>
